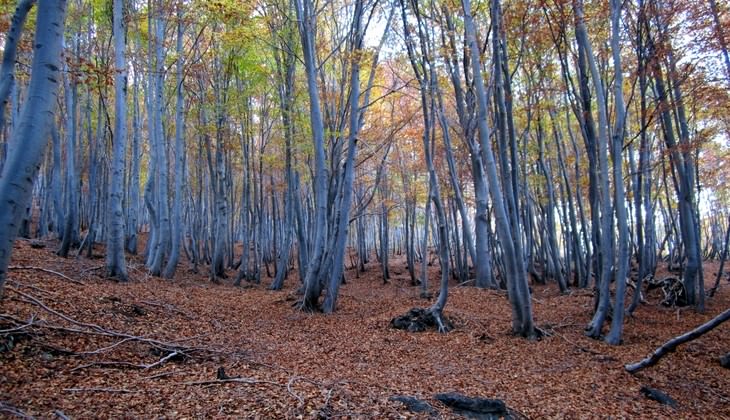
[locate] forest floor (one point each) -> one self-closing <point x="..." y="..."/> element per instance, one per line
<point x="108" y="357"/>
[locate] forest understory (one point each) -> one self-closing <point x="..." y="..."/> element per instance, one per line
<point x="88" y="347"/>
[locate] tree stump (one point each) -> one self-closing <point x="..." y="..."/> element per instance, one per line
<point x="419" y="319"/>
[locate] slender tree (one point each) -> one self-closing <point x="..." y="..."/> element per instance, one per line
<point x="115" y="262"/>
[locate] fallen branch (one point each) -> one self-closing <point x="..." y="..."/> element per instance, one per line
<point x="45" y="270"/>
<point x="94" y="329"/>
<point x="672" y="344"/>
<point x="111" y="390"/>
<point x="162" y="375"/>
<point x="30" y="286"/>
<point x="128" y="364"/>
<point x="551" y="331"/>
<point x="19" y="327"/>
<point x="14" y="411"/>
<point x="86" y="270"/>
<point x="231" y="380"/>
<point x="291" y="392"/>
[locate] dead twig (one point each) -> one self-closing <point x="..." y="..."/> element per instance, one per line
<point x="86" y="270"/>
<point x="111" y="390"/>
<point x="127" y="364"/>
<point x="232" y="380"/>
<point x="36" y="288"/>
<point x="162" y="375"/>
<point x="45" y="270"/>
<point x="89" y="328"/>
<point x="291" y="391"/>
<point x="30" y="323"/>
<point x="552" y="331"/>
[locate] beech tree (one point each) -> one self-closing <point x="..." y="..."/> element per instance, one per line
<point x="116" y="263"/>
<point x="34" y="128"/>
<point x="299" y="144"/>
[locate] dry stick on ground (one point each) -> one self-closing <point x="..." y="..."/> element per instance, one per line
<point x="111" y="390"/>
<point x="14" y="411"/>
<point x="162" y="375"/>
<point x="128" y="364"/>
<point x="45" y="270"/>
<point x="232" y="380"/>
<point x="676" y="341"/>
<point x="86" y="270"/>
<point x="551" y="331"/>
<point x="19" y="326"/>
<point x="99" y="330"/>
<point x="36" y="288"/>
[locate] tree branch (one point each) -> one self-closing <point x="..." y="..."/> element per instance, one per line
<point x="672" y="344"/>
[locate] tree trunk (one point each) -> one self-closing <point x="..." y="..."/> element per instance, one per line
<point x="116" y="265"/>
<point x="177" y="219"/>
<point x="34" y="128"/>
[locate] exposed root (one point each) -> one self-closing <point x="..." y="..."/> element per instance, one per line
<point x="420" y="319"/>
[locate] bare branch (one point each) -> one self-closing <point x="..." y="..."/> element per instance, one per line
<point x="28" y="267"/>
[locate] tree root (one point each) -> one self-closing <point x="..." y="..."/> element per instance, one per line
<point x="420" y="319"/>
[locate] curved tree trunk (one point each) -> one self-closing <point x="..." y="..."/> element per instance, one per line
<point x="10" y="49"/>
<point x="518" y="290"/>
<point x="34" y="128"/>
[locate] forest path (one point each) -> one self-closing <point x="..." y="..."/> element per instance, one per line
<point x="347" y="364"/>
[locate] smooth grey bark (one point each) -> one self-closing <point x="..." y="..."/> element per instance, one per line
<point x="177" y="219"/>
<point x="694" y="278"/>
<point x="10" y="49"/>
<point x="720" y="34"/>
<point x="723" y="258"/>
<point x="550" y="233"/>
<point x="162" y="206"/>
<point x="34" y="128"/>
<point x="343" y="218"/>
<point x="644" y="226"/>
<point x="465" y="113"/>
<point x="245" y="140"/>
<point x="286" y="67"/>
<point x="606" y="249"/>
<point x="683" y="186"/>
<point x="306" y="15"/>
<point x="577" y="253"/>
<point x="384" y="230"/>
<point x="424" y="247"/>
<point x="518" y="290"/>
<point x="71" y="218"/>
<point x="423" y="73"/>
<point x="509" y="170"/>
<point x="133" y="206"/>
<point x="219" y="178"/>
<point x="622" y="259"/>
<point x="56" y="181"/>
<point x="116" y="265"/>
<point x="584" y="115"/>
<point x="94" y="212"/>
